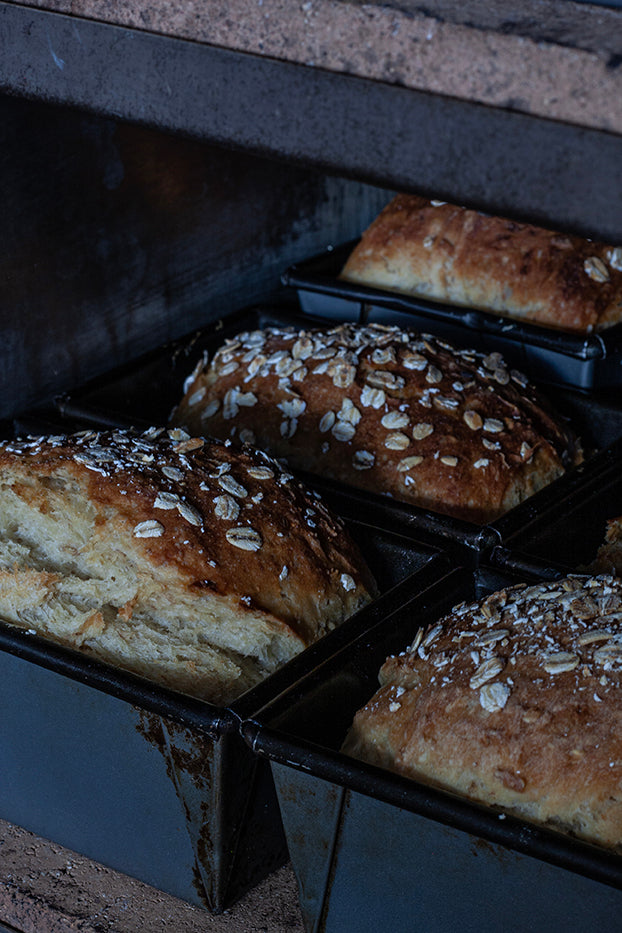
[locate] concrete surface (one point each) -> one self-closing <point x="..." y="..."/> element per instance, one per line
<point x="559" y="60"/>
<point x="45" y="888"/>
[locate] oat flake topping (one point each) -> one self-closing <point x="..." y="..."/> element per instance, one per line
<point x="394" y="393"/>
<point x="568" y="628"/>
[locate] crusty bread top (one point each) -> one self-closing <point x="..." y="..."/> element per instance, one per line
<point x="384" y="409"/>
<point x="447" y="253"/>
<point x="513" y="700"/>
<point x="220" y="521"/>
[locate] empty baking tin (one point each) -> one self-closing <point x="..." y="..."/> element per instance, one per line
<point x="583" y="361"/>
<point x="372" y="850"/>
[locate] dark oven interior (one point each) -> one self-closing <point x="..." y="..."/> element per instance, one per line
<point x="153" y="184"/>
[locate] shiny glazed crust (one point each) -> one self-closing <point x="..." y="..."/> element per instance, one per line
<point x="516" y="702"/>
<point x="386" y="410"/>
<point x="201" y="567"/>
<point x="439" y="251"/>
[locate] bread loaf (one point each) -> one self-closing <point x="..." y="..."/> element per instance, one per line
<point x="446" y="253"/>
<point x="201" y="568"/>
<point x="514" y="701"/>
<point x="609" y="556"/>
<point x="385" y="410"/>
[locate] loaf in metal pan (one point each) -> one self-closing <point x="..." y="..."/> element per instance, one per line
<point x="609" y="556"/>
<point x="514" y="701"/>
<point x="180" y="559"/>
<point x="447" y="253"/>
<point x="387" y="410"/>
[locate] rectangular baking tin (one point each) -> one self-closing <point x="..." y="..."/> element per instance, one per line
<point x="372" y="850"/>
<point x="583" y="361"/>
<point x="147" y="781"/>
<point x="569" y="532"/>
<point x="144" y="393"/>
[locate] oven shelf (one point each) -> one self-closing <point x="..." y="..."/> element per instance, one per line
<point x="495" y="125"/>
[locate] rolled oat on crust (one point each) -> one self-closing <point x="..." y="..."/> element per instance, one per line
<point x="201" y="567"/>
<point x="384" y="409"/>
<point x="443" y="252"/>
<point x="514" y="701"/>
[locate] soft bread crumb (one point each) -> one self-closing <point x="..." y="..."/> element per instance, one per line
<point x="200" y="606"/>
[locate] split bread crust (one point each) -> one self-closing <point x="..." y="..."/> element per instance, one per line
<point x="177" y="558"/>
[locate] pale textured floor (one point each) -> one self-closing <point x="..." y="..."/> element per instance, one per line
<point x="45" y="888"/>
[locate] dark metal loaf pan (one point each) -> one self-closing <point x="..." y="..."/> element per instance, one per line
<point x="146" y="391"/>
<point x="148" y="781"/>
<point x="585" y="361"/>
<point x="569" y="533"/>
<point x="373" y="850"/>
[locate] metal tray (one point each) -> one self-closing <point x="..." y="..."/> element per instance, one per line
<point x="583" y="361"/>
<point x="396" y="854"/>
<point x="148" y="781"/>
<point x="144" y="393"/>
<point x="569" y="533"/>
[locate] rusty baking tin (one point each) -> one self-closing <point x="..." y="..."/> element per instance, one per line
<point x="130" y="775"/>
<point x="583" y="361"/>
<point x="396" y="854"/>
<point x="148" y="781"/>
<point x="144" y="393"/>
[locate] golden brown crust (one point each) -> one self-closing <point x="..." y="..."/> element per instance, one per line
<point x="609" y="556"/>
<point x="186" y="532"/>
<point x="515" y="701"/>
<point x="447" y="253"/>
<point x="386" y="410"/>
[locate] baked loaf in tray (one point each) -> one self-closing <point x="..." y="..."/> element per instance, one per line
<point x="609" y="556"/>
<point x="442" y="252"/>
<point x="201" y="568"/>
<point x="514" y="701"/>
<point x="385" y="410"/>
